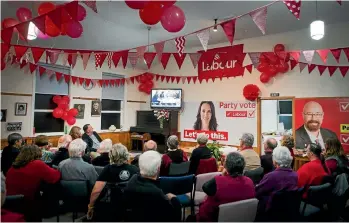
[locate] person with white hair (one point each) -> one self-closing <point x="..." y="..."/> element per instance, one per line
<point x="75" y="168"/>
<point x="252" y="159"/>
<point x="144" y="200"/>
<point x="282" y="178"/>
<point x="200" y="152"/>
<point x="149" y="145"/>
<point x="62" y="153"/>
<point x="103" y="150"/>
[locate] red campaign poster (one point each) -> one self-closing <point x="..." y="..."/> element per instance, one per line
<point x="329" y="116"/>
<point x="221" y="62"/>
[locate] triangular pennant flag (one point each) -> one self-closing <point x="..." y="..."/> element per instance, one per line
<point x="32" y="67"/>
<point x="178" y="78"/>
<point x="180" y="44"/>
<point x="53" y="55"/>
<point x="123" y="80"/>
<point x="302" y="66"/>
<point x="173" y="78"/>
<point x="344" y="70"/>
<point x="323" y="54"/>
<point x="88" y="82"/>
<point x="295" y="55"/>
<point x="149" y="58"/>
<point x="157" y="76"/>
<point x="124" y="57"/>
<point x="204" y="37"/>
<point x="85" y="58"/>
<point x="74" y="79"/>
<point x="101" y="82"/>
<point x="162" y="78"/>
<point x="260" y="18"/>
<point x="67" y="78"/>
<point x="254" y="58"/>
<point x="65" y="58"/>
<point x="91" y="4"/>
<point x="194" y="79"/>
<point x="194" y="57"/>
<point x="308" y="55"/>
<point x="116" y="58"/>
<point x="159" y="48"/>
<point x="249" y="68"/>
<point x="213" y="79"/>
<point x="40" y="23"/>
<point x="72" y="9"/>
<point x="56" y="17"/>
<point x="72" y="59"/>
<point x="112" y="82"/>
<point x="132" y="79"/>
<point x="118" y="82"/>
<point x="346" y="51"/>
<point x="179" y="59"/>
<point x="23" y="64"/>
<point x="311" y="67"/>
<point x="133" y="57"/>
<point x="37" y="53"/>
<point x="140" y="51"/>
<point x="22" y="29"/>
<point x="4" y="49"/>
<point x="94" y="82"/>
<point x="41" y="70"/>
<point x="137" y="78"/>
<point x="293" y="64"/>
<point x="59" y="76"/>
<point x="321" y="69"/>
<point x="294" y="6"/>
<point x="200" y="80"/>
<point x="81" y="80"/>
<point x="336" y="54"/>
<point x="164" y="59"/>
<point x="6" y="34"/>
<point x="20" y="51"/>
<point x="229" y="29"/>
<point x="183" y="79"/>
<point x="339" y="2"/>
<point x="99" y="59"/>
<point x="168" y="79"/>
<point x="189" y="79"/>
<point x="332" y="69"/>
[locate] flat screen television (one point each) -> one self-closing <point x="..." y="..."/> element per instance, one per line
<point x="166" y="99"/>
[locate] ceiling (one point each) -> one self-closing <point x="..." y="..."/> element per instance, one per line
<point x="116" y="27"/>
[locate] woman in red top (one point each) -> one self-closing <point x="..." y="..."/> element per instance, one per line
<point x="335" y="157"/>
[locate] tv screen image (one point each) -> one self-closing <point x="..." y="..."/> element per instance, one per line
<point x="166" y="99"/>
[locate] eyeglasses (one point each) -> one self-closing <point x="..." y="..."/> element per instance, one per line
<point x="317" y="115"/>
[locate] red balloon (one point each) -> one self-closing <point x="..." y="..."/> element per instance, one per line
<point x="142" y="88"/>
<point x="65" y="115"/>
<point x="151" y="14"/>
<point x="73" y="29"/>
<point x="81" y="15"/>
<point x="173" y="19"/>
<point x="285" y="67"/>
<point x="279" y="47"/>
<point x="46" y="7"/>
<point x="57" y="99"/>
<point x="272" y="71"/>
<point x="73" y="112"/>
<point x="147" y="91"/>
<point x="71" y="120"/>
<point x="24" y="14"/>
<point x="51" y="28"/>
<point x="149" y="76"/>
<point x="9" y="22"/>
<point x="143" y="78"/>
<point x="264" y="78"/>
<point x="66" y="99"/>
<point x="63" y="106"/>
<point x="149" y="84"/>
<point x="136" y="4"/>
<point x="3" y="65"/>
<point x="57" y="112"/>
<point x="273" y="58"/>
<point x="262" y="67"/>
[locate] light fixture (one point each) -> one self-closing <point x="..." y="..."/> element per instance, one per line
<point x="317" y="28"/>
<point x="215" y="26"/>
<point x="31" y="32"/>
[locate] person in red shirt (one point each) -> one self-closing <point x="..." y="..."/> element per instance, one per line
<point x="336" y="161"/>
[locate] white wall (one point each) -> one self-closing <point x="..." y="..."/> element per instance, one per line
<point x="269" y="116"/>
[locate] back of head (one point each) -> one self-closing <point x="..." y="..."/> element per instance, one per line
<point x="282" y="156"/>
<point x="172" y="142"/>
<point x="28" y="154"/>
<point x="13" y="138"/>
<point x="118" y="154"/>
<point x="271" y="144"/>
<point x="85" y="127"/>
<point x="317" y="151"/>
<point x="105" y="146"/>
<point x="235" y="164"/>
<point x="247" y="139"/>
<point x="334" y="148"/>
<point x="75" y="132"/>
<point x="77" y="148"/>
<point x="150" y="145"/>
<point x="288" y="141"/>
<point x="64" y="141"/>
<point x="41" y="140"/>
<point x="202" y="139"/>
<point x="149" y="164"/>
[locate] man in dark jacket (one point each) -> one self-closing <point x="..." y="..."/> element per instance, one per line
<point x="143" y="195"/>
<point x="201" y="152"/>
<point x="91" y="138"/>
<point x="267" y="159"/>
<point x="149" y="145"/>
<point x="62" y="153"/>
<point x="10" y="152"/>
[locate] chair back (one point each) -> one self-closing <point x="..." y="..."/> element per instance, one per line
<point x="178" y="185"/>
<point x="99" y="169"/>
<point x="240" y="211"/>
<point x="201" y="179"/>
<point x="179" y="169"/>
<point x="15" y="203"/>
<point x="75" y="194"/>
<point x="255" y="175"/>
<point x="207" y="166"/>
<point x="319" y="195"/>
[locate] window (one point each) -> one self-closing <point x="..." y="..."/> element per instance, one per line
<point x="285" y="113"/>
<point x="112" y="103"/>
<point x="45" y="88"/>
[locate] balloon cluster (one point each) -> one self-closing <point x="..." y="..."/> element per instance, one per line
<point x="151" y="12"/>
<point x="146" y="83"/>
<point x="62" y="111"/>
<point x="251" y="92"/>
<point x="272" y="63"/>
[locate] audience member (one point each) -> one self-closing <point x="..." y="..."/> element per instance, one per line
<point x="144" y="200"/>
<point x="91" y="138"/>
<point x="173" y="155"/>
<point x="62" y="153"/>
<point x="267" y="159"/>
<point x="288" y="141"/>
<point x="42" y="142"/>
<point x="282" y="178"/>
<point x="201" y="152"/>
<point x="10" y="152"/>
<point x="149" y="145"/>
<point x="75" y="168"/>
<point x="103" y="158"/>
<point x="252" y="159"/>
<point x="117" y="171"/>
<point x="8" y="216"/>
<point x="229" y="187"/>
<point x="336" y="161"/>
<point x="75" y="132"/>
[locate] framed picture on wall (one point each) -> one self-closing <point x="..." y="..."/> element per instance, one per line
<point x="81" y="110"/>
<point x="96" y="108"/>
<point x="21" y="109"/>
<point x="3" y="115"/>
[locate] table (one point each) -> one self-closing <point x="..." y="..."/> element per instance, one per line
<point x="299" y="161"/>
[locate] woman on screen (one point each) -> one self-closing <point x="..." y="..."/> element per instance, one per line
<point x="206" y="117"/>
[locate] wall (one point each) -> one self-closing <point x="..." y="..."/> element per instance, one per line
<point x="269" y="118"/>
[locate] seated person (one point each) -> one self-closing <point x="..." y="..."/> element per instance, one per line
<point x="229" y="187"/>
<point x="288" y="141"/>
<point x="142" y="195"/>
<point x="117" y="171"/>
<point x="62" y="152"/>
<point x="42" y="142"/>
<point x="75" y="168"/>
<point x="75" y="132"/>
<point x="282" y="178"/>
<point x="8" y="216"/>
<point x="149" y="145"/>
<point x="103" y="158"/>
<point x="10" y="152"/>
<point x="246" y="150"/>
<point x="336" y="161"/>
<point x="91" y="138"/>
<point x="173" y="155"/>
<point x="200" y="152"/>
<point x="267" y="159"/>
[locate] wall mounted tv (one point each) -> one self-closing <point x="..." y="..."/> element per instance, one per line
<point x="166" y="99"/>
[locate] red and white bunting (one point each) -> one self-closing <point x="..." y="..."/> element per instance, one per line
<point x="311" y="67"/>
<point x="20" y="51"/>
<point x="321" y="69"/>
<point x="294" y="63"/>
<point x="259" y="17"/>
<point x="116" y="58"/>
<point x="37" y="53"/>
<point x="249" y="68"/>
<point x="49" y="73"/>
<point x="22" y="29"/>
<point x="323" y="54"/>
<point x="204" y="37"/>
<point x="133" y="57"/>
<point x="332" y="69"/>
<point x="229" y="29"/>
<point x="167" y="78"/>
<point x="164" y="59"/>
<point x="180" y="44"/>
<point x="159" y="48"/>
<point x="85" y="58"/>
<point x="109" y="59"/>
<point x="40" y="23"/>
<point x="294" y="6"/>
<point x="308" y="55"/>
<point x="254" y="58"/>
<point x="344" y="70"/>
<point x="178" y="78"/>
<point x="56" y="17"/>
<point x="162" y="78"/>
<point x="339" y="2"/>
<point x="53" y="55"/>
<point x="72" y="59"/>
<point x="346" y="51"/>
<point x="336" y="54"/>
<point x="301" y="67"/>
<point x="81" y="80"/>
<point x="91" y="4"/>
<point x="99" y="59"/>
<point x="74" y="79"/>
<point x="32" y="67"/>
<point x="194" y="57"/>
<point x="295" y="55"/>
<point x="58" y="76"/>
<point x="4" y="49"/>
<point x="87" y="82"/>
<point x="6" y="35"/>
<point x="42" y="71"/>
<point x="67" y="78"/>
<point x="179" y="59"/>
<point x="65" y="59"/>
<point x="149" y="58"/>
<point x="173" y="78"/>
<point x="141" y="50"/>
<point x="195" y="79"/>
<point x="124" y="57"/>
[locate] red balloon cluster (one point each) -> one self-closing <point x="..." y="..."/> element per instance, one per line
<point x="62" y="111"/>
<point x="272" y="63"/>
<point x="151" y="12"/>
<point x="251" y="92"/>
<point x="146" y="83"/>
